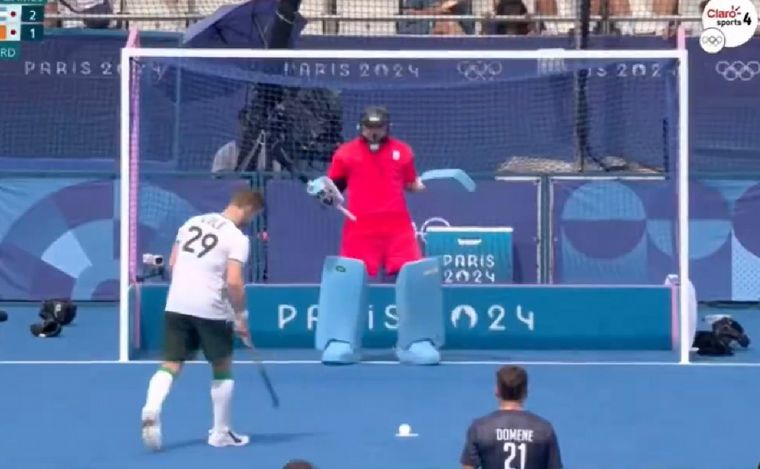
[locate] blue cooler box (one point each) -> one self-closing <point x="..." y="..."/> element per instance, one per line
<point x="472" y="254"/>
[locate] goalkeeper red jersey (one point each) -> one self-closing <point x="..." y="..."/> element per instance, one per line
<point x="375" y="182"/>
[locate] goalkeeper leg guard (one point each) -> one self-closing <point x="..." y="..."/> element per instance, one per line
<point x="342" y="310"/>
<point x="419" y="302"/>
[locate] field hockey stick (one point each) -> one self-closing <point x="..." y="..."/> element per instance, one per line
<point x="452" y="174"/>
<point x="248" y="342"/>
<point x="346" y="212"/>
<point x="262" y="370"/>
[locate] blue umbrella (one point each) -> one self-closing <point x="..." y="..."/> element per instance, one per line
<point x="244" y="25"/>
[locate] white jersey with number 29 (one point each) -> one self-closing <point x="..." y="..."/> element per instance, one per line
<point x="205" y="243"/>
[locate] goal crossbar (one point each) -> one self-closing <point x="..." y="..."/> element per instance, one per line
<point x="128" y="52"/>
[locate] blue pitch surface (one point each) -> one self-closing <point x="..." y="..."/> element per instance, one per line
<point x="645" y="414"/>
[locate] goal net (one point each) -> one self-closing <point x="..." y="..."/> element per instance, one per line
<point x="602" y="132"/>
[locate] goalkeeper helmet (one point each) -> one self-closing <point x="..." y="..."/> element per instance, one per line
<point x="375" y="126"/>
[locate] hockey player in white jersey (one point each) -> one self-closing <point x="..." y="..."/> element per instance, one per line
<point x="205" y="308"/>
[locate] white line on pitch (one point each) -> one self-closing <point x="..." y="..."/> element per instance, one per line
<point x="385" y="363"/>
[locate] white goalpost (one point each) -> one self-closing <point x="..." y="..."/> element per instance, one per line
<point x="129" y="166"/>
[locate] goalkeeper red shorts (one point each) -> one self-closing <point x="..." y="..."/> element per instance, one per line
<point x="381" y="248"/>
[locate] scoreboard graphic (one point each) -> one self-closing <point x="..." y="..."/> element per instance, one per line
<point x="20" y="20"/>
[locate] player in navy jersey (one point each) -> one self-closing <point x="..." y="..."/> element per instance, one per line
<point x="511" y="437"/>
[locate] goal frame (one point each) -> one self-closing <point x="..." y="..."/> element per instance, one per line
<point x="125" y="179"/>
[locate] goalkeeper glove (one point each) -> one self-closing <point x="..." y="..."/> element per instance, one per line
<point x="318" y="189"/>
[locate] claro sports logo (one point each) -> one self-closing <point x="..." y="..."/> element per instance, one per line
<point x="728" y="17"/>
<point x="727" y="24"/>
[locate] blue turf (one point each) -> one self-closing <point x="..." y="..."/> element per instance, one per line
<point x="647" y="417"/>
<point x="608" y="417"/>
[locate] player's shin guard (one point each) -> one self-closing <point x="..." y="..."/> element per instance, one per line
<point x="342" y="310"/>
<point x="419" y="302"/>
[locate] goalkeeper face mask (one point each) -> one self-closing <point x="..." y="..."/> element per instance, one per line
<point x="374" y="136"/>
<point x="375" y="126"/>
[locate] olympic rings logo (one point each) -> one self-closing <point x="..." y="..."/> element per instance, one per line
<point x="738" y="70"/>
<point x="712" y="40"/>
<point x="479" y="70"/>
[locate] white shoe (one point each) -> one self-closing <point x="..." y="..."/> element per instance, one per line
<point x="227" y="438"/>
<point x="151" y="430"/>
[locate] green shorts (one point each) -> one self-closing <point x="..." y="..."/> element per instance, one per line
<point x="184" y="335"/>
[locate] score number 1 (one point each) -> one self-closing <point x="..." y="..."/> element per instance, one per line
<point x="32" y="32"/>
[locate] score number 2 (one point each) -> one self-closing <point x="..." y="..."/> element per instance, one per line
<point x="513" y="451"/>
<point x="208" y="241"/>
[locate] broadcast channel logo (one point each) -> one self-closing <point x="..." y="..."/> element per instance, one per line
<point x="727" y="24"/>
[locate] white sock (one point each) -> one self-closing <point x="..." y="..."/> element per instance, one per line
<point x="221" y="396"/>
<point x="158" y="389"/>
